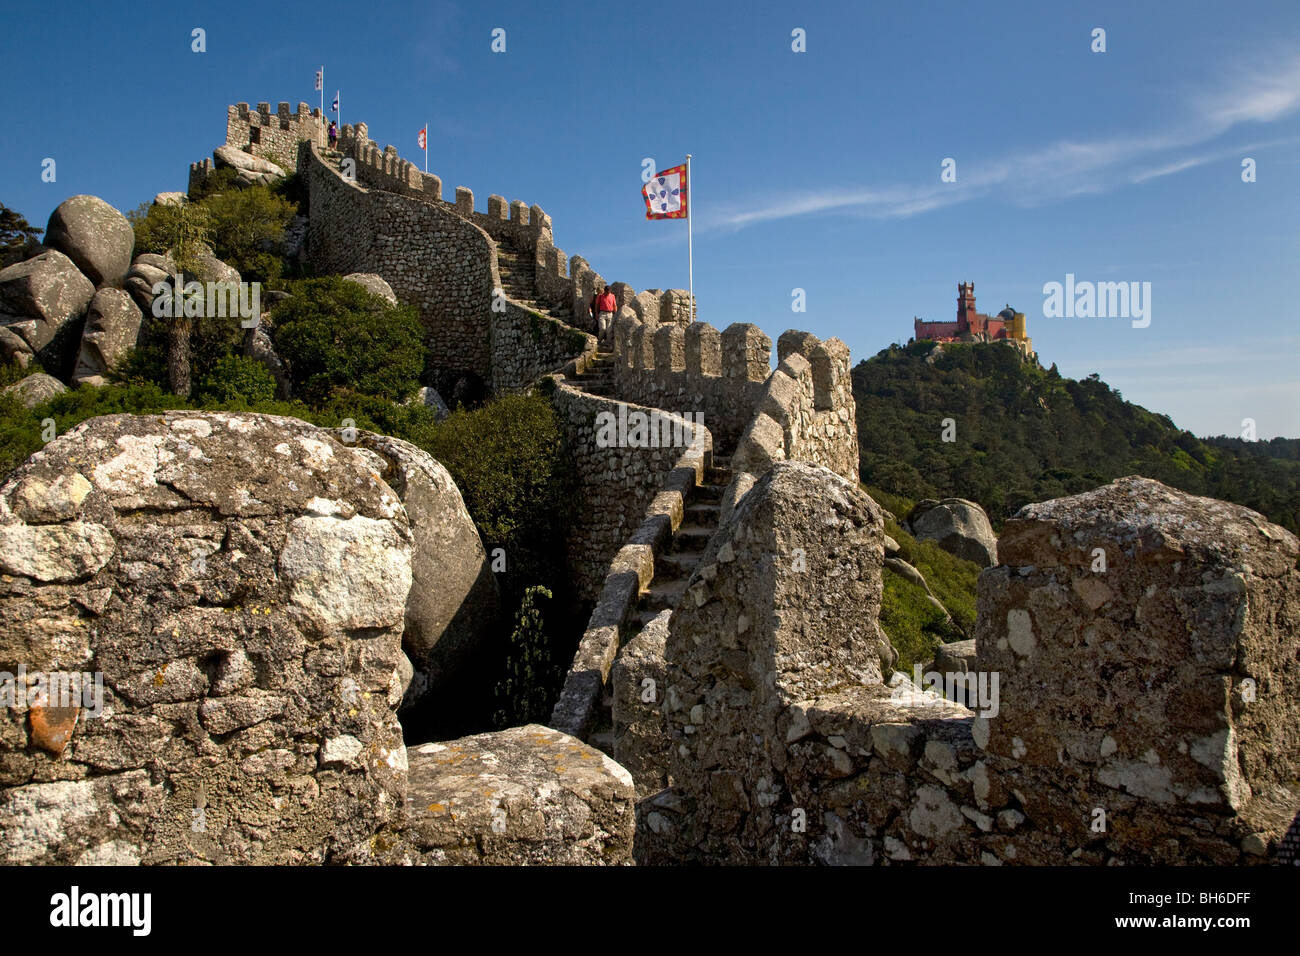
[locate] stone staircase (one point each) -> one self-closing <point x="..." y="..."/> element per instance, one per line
<point x="598" y="378"/>
<point x="519" y="282"/>
<point x="673" y="568"/>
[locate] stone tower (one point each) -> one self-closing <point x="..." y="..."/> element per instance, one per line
<point x="966" y="315"/>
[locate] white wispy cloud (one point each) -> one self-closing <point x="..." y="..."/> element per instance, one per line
<point x="1063" y="168"/>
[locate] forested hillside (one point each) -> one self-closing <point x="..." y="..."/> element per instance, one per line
<point x="1022" y="433"/>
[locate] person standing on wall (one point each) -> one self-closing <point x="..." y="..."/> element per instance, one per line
<point x="594" y="307"/>
<point x="605" y="306"/>
<point x="334" y="134"/>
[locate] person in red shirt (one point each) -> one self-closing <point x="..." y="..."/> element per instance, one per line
<point x="605" y="306"/>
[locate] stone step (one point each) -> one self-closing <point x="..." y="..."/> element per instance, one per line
<point x="672" y="567"/>
<point x="710" y="493"/>
<point x="704" y="513"/>
<point x="691" y="537"/>
<point x="663" y="595"/>
<point x="718" y="476"/>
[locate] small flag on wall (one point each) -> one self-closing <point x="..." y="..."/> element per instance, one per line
<point x="666" y="195"/>
<point x="422" y="139"/>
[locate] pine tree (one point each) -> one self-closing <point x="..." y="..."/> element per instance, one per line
<point x="15" y="230"/>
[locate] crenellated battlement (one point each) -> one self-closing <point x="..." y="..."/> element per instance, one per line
<point x="805" y="412"/>
<point x="274" y="136"/>
<point x="517" y="222"/>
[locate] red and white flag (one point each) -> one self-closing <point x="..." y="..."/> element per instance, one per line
<point x="422" y="138"/>
<point x="666" y="195"/>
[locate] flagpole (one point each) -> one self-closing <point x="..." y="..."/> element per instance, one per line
<point x="426" y="146"/>
<point x="322" y="92"/>
<point x="690" y="240"/>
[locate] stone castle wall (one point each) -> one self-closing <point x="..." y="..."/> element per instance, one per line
<point x="274" y="136"/>
<point x="804" y="412"/>
<point x="617" y="484"/>
<point x="1145" y="709"/>
<point x="431" y="257"/>
<point x="631" y="567"/>
<point x="525" y="229"/>
<point x="690" y="367"/>
<point x="527" y="345"/>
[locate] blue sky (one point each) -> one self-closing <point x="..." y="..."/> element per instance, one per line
<point x="817" y="170"/>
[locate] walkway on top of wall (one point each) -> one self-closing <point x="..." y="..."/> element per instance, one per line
<point x="584" y="709"/>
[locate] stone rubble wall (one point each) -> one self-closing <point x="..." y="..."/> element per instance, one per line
<point x="278" y="133"/>
<point x="438" y="256"/>
<point x="1145" y="713"/>
<point x="527" y="229"/>
<point x="617" y="484"/>
<point x="527" y="345"/>
<point x="432" y="259"/>
<point x="641" y="495"/>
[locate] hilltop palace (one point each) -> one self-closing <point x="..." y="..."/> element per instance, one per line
<point x="971" y="326"/>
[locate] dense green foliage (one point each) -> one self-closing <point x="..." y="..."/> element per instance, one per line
<point x="1024" y="433"/>
<point x="509" y="461"/>
<point x="336" y="334"/>
<point x="914" y="626"/>
<point x="1287" y="449"/>
<point x="235" y="381"/>
<point x="184" y="231"/>
<point x="243" y="226"/>
<point x="217" y="181"/>
<point x="247" y="227"/>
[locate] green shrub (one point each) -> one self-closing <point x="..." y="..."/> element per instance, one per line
<point x="236" y="379"/>
<point x="509" y="462"/>
<point x="217" y="181"/>
<point x="952" y="580"/>
<point x="294" y="189"/>
<point x="247" y="227"/>
<point x="896" y="504"/>
<point x="184" y="229"/>
<point x="336" y="334"/>
<point x="914" y="626"/>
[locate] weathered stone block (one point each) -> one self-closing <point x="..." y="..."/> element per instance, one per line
<point x="524" y="796"/>
<point x="1145" y="641"/>
<point x="746" y="352"/>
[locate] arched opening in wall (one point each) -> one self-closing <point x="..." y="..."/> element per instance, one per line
<point x="823" y="372"/>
